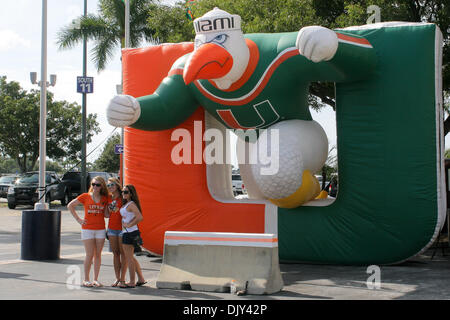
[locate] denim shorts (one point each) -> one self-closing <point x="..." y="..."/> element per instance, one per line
<point x="114" y="233"/>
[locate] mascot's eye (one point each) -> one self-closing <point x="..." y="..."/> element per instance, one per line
<point x="220" y="38"/>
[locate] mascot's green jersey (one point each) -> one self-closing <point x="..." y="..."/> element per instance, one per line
<point x="275" y="87"/>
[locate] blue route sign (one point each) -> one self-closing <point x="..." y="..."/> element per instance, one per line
<point x="85" y="84"/>
<point x="118" y="148"/>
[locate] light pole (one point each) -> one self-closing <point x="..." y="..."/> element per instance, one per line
<point x="41" y="227"/>
<point x="83" y="116"/>
<point x="41" y="204"/>
<point x="127" y="23"/>
<point x="127" y="45"/>
<point x="119" y="87"/>
<point x="82" y="88"/>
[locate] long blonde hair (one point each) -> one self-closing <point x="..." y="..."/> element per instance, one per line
<point x="117" y="183"/>
<point x="103" y="190"/>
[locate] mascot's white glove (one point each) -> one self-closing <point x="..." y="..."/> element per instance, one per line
<point x="317" y="43"/>
<point x="123" y="110"/>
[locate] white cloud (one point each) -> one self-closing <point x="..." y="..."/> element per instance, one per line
<point x="11" y="40"/>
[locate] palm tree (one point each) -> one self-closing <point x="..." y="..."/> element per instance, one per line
<point x="107" y="29"/>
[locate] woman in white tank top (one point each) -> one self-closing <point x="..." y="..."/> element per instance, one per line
<point x="127" y="217"/>
<point x="131" y="216"/>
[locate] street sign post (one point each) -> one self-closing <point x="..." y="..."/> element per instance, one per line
<point x="85" y="84"/>
<point x="118" y="149"/>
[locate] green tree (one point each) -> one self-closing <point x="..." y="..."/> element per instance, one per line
<point x="260" y="16"/>
<point x="257" y="16"/>
<point x="447" y="154"/>
<point x="170" y="23"/>
<point x="330" y="168"/>
<point x="107" y="29"/>
<point x="50" y="166"/>
<point x="344" y="13"/>
<point x="108" y="160"/>
<point x="19" y="132"/>
<point x="8" y="165"/>
<point x="64" y="138"/>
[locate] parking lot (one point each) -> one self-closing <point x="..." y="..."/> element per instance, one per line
<point x="419" y="278"/>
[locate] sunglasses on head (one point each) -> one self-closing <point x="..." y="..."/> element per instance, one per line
<point x="96" y="185"/>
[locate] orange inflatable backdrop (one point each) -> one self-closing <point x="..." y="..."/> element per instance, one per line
<point x="173" y="197"/>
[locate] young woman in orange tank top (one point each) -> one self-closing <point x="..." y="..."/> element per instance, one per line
<point x="115" y="230"/>
<point x="93" y="231"/>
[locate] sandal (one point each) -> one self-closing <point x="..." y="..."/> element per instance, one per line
<point x="87" y="284"/>
<point x="96" y="284"/>
<point x="138" y="284"/>
<point x="126" y="285"/>
<point x="116" y="283"/>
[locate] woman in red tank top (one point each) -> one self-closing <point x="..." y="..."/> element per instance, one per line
<point x="115" y="230"/>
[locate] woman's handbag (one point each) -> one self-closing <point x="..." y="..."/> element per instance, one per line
<point x="136" y="239"/>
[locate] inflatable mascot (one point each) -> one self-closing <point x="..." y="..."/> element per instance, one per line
<point x="260" y="82"/>
<point x="391" y="201"/>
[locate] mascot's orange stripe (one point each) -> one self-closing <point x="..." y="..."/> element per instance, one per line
<point x="268" y="75"/>
<point x="175" y="71"/>
<point x="353" y="39"/>
<point x="220" y="239"/>
<point x="229" y="119"/>
<point x="262" y="85"/>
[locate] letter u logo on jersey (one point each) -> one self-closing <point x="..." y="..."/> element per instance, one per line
<point x="263" y="116"/>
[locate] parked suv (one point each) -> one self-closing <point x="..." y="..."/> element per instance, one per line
<point x="25" y="190"/>
<point x="72" y="181"/>
<point x="6" y="182"/>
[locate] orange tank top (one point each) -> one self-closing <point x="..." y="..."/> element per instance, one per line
<point x="115" y="219"/>
<point x="94" y="212"/>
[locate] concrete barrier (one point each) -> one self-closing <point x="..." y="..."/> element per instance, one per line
<point x="220" y="262"/>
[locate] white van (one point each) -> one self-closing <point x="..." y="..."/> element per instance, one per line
<point x="238" y="185"/>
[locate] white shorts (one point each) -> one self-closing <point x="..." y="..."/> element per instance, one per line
<point x="87" y="234"/>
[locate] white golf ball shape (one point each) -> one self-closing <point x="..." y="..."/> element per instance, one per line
<point x="302" y="145"/>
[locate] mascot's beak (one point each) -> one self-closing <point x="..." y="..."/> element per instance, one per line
<point x="209" y="61"/>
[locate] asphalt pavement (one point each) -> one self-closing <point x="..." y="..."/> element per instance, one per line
<point x="422" y="278"/>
